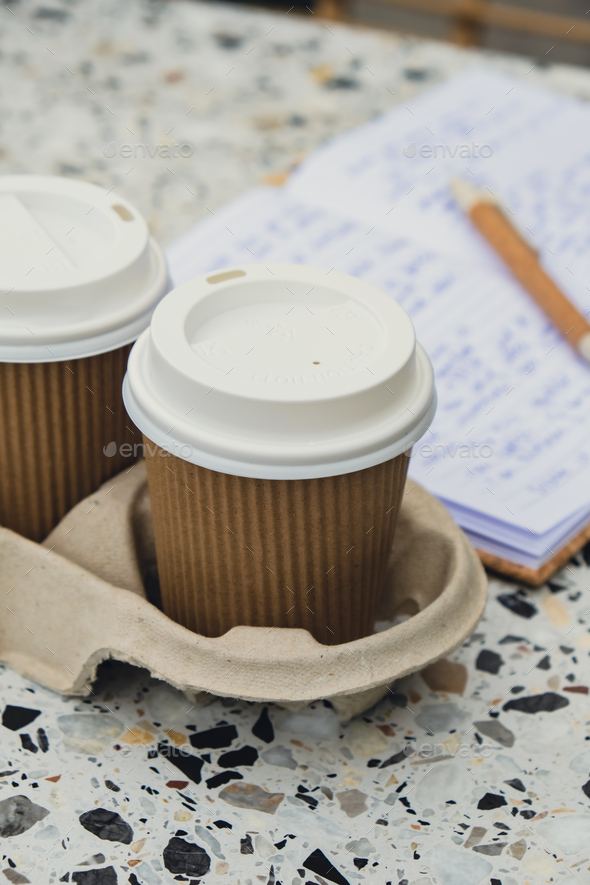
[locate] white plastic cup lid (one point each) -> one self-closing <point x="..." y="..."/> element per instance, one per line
<point x="280" y="372"/>
<point x="79" y="272"/>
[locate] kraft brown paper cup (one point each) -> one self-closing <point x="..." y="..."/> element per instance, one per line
<point x="277" y="405"/>
<point x="80" y="277"/>
<point x="57" y="419"/>
<point x="307" y="553"/>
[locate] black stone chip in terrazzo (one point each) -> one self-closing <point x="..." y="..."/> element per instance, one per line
<point x="243" y="756"/>
<point x="28" y="744"/>
<point x="17" y="717"/>
<point x="262" y="728"/>
<point x="394" y="760"/>
<point x="228" y="41"/>
<point x="185" y="857"/>
<point x="547" y="702"/>
<point x="586" y="789"/>
<point x="111" y="786"/>
<point x="489" y="661"/>
<point x="317" y="862"/>
<point x="246" y="846"/>
<point x="107" y="825"/>
<point x="406" y="803"/>
<point x="224" y="777"/>
<point x="342" y="83"/>
<point x="309" y="800"/>
<point x="189" y="765"/>
<point x="517" y="605"/>
<point x="491" y="800"/>
<point x="416" y="74"/>
<point x="510" y="638"/>
<point x="104" y="876"/>
<point x="544" y="663"/>
<point x="222" y="825"/>
<point x="517" y="784"/>
<point x="214" y="738"/>
<point x="49" y="14"/>
<point x="42" y="740"/>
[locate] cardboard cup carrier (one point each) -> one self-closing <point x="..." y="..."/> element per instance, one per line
<point x="278" y="405"/>
<point x="79" y="279"/>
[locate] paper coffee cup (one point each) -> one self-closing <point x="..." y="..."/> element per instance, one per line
<point x="277" y="404"/>
<point x="79" y="279"/>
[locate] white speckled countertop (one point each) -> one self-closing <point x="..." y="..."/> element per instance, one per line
<point x="127" y="787"/>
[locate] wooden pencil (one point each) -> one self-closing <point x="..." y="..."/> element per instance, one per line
<point x="523" y="261"/>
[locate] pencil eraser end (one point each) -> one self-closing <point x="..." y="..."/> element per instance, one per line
<point x="584" y="346"/>
<point x="465" y="194"/>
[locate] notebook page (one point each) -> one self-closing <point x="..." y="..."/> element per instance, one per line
<point x="506" y="380"/>
<point x="537" y="161"/>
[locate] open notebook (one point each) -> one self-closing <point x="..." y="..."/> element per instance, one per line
<point x="509" y="449"/>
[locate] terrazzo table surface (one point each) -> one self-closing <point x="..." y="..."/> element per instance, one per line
<point x="477" y="770"/>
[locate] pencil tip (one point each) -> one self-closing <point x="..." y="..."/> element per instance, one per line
<point x="465" y="193"/>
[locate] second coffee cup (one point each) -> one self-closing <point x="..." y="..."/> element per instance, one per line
<point x="79" y="279"/>
<point x="278" y="405"/>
